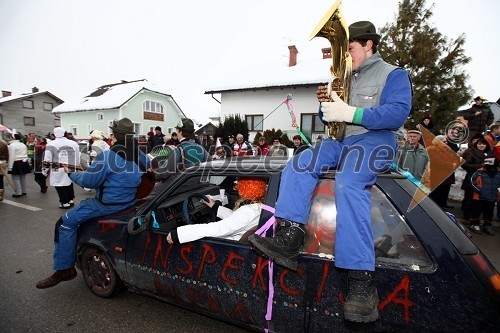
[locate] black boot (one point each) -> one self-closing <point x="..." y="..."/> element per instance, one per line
<point x="284" y="247"/>
<point x="362" y="298"/>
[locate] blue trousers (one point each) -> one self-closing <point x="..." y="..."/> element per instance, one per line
<point x="66" y="233"/>
<point x="358" y="159"/>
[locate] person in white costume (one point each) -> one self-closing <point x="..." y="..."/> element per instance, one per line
<point x="57" y="152"/>
<point x="233" y="223"/>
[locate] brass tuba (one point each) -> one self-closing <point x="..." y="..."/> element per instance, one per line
<point x="334" y="28"/>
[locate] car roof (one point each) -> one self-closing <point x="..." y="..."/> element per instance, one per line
<point x="270" y="164"/>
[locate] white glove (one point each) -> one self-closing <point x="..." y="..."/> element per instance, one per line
<point x="489" y="161"/>
<point x="338" y="110"/>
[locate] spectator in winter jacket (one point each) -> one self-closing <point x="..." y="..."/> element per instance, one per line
<point x="40" y="178"/>
<point x="277" y="149"/>
<point x="427" y="123"/>
<point x="242" y="147"/>
<point x="98" y="143"/>
<point x="231" y="140"/>
<point x="413" y="157"/>
<point x="18" y="164"/>
<point x="479" y="117"/>
<point x="173" y="141"/>
<point x="441" y="193"/>
<point x="298" y="146"/>
<point x="157" y="139"/>
<point x="485" y="182"/>
<point x="474" y="159"/>
<point x="150" y="138"/>
<point x="262" y="147"/>
<point x="492" y="135"/>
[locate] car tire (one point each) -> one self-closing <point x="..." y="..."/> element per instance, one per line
<point x="99" y="274"/>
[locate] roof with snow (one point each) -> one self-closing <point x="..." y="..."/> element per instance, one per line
<point x="110" y="96"/>
<point x="16" y="97"/>
<point x="305" y="72"/>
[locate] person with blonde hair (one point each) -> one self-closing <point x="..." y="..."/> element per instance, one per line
<point x="98" y="144"/>
<point x="234" y="223"/>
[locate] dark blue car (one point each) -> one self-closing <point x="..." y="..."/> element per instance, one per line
<point x="430" y="275"/>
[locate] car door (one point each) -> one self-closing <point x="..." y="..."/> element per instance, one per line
<point x="421" y="278"/>
<point x="223" y="278"/>
<point x="318" y="288"/>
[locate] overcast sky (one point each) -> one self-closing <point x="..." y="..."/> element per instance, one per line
<point x="72" y="47"/>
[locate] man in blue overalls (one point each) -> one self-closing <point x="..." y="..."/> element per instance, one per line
<point x="115" y="174"/>
<point x="379" y="104"/>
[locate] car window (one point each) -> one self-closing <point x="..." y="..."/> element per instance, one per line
<point x="394" y="241"/>
<point x="168" y="214"/>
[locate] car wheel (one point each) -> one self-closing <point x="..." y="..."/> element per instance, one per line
<point x="99" y="274"/>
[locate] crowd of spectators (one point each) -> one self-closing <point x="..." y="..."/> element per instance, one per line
<point x="480" y="159"/>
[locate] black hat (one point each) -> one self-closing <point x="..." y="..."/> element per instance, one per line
<point x="364" y="30"/>
<point x="158" y="128"/>
<point x="230" y="136"/>
<point x="123" y="126"/>
<point x="186" y="125"/>
<point x="479" y="98"/>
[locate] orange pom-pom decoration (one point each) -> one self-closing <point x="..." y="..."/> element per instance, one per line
<point x="252" y="188"/>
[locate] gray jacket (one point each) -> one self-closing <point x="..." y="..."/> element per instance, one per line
<point x="413" y="160"/>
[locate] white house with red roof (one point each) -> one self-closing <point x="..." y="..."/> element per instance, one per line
<point x="257" y="93"/>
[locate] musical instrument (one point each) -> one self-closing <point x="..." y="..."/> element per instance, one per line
<point x="148" y="178"/>
<point x="56" y="165"/>
<point x="159" y="155"/>
<point x="334" y="28"/>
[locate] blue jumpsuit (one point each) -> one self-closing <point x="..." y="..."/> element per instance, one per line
<point x="119" y="179"/>
<point x="359" y="159"/>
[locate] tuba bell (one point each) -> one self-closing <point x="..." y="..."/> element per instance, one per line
<point x="334" y="28"/>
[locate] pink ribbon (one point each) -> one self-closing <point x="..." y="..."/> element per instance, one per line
<point x="262" y="232"/>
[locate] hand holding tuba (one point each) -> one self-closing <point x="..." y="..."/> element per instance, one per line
<point x="334" y="28"/>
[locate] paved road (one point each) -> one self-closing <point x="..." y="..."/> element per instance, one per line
<point x="489" y="245"/>
<point x="26" y="233"/>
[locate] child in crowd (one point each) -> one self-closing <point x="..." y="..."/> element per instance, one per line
<point x="486" y="183"/>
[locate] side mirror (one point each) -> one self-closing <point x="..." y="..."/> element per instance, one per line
<point x="138" y="224"/>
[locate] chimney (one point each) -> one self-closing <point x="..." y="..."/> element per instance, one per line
<point x="6" y="93"/>
<point x="293" y="55"/>
<point x="327" y="52"/>
<point x="34" y="90"/>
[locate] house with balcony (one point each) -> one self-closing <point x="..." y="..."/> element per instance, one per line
<point x="142" y="102"/>
<point x="29" y="113"/>
<point x="258" y="92"/>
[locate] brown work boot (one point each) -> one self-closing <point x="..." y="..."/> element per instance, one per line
<point x="58" y="276"/>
